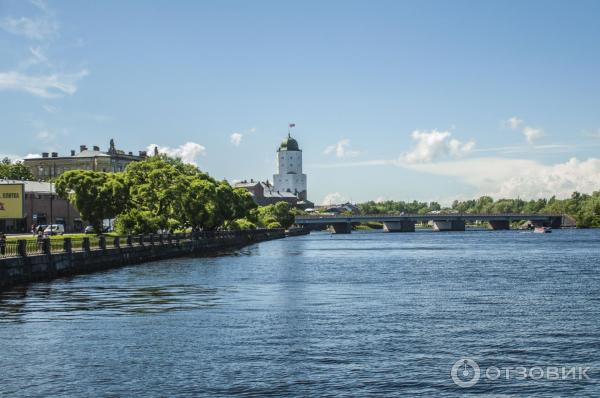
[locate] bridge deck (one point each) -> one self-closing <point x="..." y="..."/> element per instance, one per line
<point x="335" y="219"/>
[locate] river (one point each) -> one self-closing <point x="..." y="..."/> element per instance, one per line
<point x="365" y="314"/>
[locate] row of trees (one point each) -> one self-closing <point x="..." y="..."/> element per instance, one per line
<point x="397" y="207"/>
<point x="584" y="208"/>
<point x="161" y="193"/>
<point x="14" y="170"/>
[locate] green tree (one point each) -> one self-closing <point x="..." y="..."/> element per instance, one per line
<point x="14" y="171"/>
<point x="96" y="195"/>
<point x="278" y="215"/>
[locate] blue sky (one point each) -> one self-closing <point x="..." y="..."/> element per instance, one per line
<point x="391" y="99"/>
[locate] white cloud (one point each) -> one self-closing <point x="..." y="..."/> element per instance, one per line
<point x="524" y="178"/>
<point x="253" y="130"/>
<point x="37" y="57"/>
<point x="532" y="134"/>
<point x="380" y="199"/>
<point x="45" y="135"/>
<point x="434" y="145"/>
<point x="50" y="108"/>
<point x="334" y="198"/>
<point x="32" y="155"/>
<point x="49" y="86"/>
<point x="341" y="149"/>
<point x="560" y="179"/>
<point x="513" y="123"/>
<point x="236" y="138"/>
<point x="188" y="152"/>
<point x="38" y="28"/>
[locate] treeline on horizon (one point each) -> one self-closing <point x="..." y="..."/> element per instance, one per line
<point x="164" y="194"/>
<point x="584" y="208"/>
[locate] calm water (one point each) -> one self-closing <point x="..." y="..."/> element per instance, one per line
<point x="320" y="315"/>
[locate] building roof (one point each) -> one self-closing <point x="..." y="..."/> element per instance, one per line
<point x="90" y="154"/>
<point x="33" y="186"/>
<point x="271" y="193"/>
<point x="246" y="184"/>
<point x="289" y="144"/>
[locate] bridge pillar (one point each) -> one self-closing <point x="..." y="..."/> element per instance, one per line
<point x="499" y="225"/>
<point x="341" y="228"/>
<point x="456" y="225"/>
<point x="556" y="222"/>
<point x="399" y="226"/>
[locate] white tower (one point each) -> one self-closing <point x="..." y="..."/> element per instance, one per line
<point x="289" y="177"/>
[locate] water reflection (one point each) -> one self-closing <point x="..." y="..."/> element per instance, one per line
<point x="47" y="302"/>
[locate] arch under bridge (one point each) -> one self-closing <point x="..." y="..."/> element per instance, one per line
<point x="441" y="222"/>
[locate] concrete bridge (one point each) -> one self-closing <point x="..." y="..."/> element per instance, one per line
<point x="441" y="221"/>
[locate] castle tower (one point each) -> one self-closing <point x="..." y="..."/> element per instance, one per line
<point x="289" y="177"/>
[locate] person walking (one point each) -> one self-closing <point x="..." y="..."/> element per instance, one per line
<point x="2" y="243"/>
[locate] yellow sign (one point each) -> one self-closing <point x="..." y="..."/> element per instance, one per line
<point x="11" y="201"/>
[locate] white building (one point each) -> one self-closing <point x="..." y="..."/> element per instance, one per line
<point x="289" y="177"/>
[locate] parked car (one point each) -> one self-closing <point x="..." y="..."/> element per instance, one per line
<point x="54" y="229"/>
<point x="90" y="230"/>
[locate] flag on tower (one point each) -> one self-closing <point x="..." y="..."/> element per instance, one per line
<point x="292" y="125"/>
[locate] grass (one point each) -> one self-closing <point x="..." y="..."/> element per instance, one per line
<point x="60" y="237"/>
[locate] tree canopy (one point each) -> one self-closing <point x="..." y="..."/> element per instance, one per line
<point x="14" y="170"/>
<point x="164" y="194"/>
<point x="584" y="208"/>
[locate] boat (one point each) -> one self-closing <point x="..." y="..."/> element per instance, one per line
<point x="542" y="230"/>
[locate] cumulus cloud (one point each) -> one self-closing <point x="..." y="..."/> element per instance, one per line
<point x="45" y="86"/>
<point x="341" y="149"/>
<point x="434" y="145"/>
<point x="334" y="198"/>
<point x="532" y="133"/>
<point x="236" y="138"/>
<point x="560" y="179"/>
<point x="513" y="123"/>
<point x="524" y="178"/>
<point x="187" y="152"/>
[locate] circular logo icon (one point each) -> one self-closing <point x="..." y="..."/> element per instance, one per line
<point x="465" y="373"/>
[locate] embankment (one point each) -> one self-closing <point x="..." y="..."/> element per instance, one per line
<point x="28" y="262"/>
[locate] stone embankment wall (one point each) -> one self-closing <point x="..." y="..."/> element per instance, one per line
<point x="49" y="261"/>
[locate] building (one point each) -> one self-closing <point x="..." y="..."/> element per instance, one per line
<point x="289" y="184"/>
<point x="264" y="193"/>
<point x="289" y="177"/>
<point x="40" y="206"/>
<point x="51" y="165"/>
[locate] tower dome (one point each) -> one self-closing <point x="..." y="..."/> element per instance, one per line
<point x="289" y="144"/>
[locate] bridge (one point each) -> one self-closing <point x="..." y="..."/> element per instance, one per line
<point x="441" y="221"/>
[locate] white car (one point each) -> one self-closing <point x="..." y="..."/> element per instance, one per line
<point x="54" y="229"/>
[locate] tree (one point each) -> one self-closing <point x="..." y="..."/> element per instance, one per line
<point x="278" y="215"/>
<point x="14" y="171"/>
<point x="96" y="195"/>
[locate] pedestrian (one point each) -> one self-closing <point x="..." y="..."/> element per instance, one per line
<point x="2" y="243"/>
<point x="33" y="229"/>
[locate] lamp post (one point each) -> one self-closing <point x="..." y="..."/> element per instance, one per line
<point x="51" y="208"/>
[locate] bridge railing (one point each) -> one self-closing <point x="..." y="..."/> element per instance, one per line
<point x="426" y="215"/>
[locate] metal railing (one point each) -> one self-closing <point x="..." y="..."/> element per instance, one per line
<point x="29" y="247"/>
<point x="425" y="215"/>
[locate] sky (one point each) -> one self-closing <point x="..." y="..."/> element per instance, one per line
<point x="403" y="100"/>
